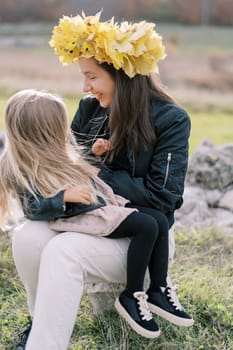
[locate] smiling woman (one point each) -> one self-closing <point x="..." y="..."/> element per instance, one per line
<point x="144" y="159"/>
<point x="97" y="81"/>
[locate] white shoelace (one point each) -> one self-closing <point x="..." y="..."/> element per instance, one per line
<point x="171" y="292"/>
<point x="143" y="306"/>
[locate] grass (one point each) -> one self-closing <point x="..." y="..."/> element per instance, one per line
<point x="208" y="39"/>
<point x="215" y="126"/>
<point x="202" y="267"/>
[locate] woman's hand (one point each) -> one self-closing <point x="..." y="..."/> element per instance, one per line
<point x="100" y="147"/>
<point x="78" y="194"/>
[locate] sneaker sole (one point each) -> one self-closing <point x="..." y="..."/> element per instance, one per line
<point x="134" y="325"/>
<point x="178" y="321"/>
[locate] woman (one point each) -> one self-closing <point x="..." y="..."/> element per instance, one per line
<point x="146" y="163"/>
<point x="39" y="144"/>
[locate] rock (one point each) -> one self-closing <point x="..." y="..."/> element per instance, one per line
<point x="208" y="194"/>
<point x="211" y="167"/>
<point x="227" y="200"/>
<point x="195" y="211"/>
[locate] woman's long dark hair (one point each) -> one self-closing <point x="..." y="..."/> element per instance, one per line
<point x="129" y="120"/>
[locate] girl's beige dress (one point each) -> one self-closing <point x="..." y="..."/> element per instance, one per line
<point x="99" y="222"/>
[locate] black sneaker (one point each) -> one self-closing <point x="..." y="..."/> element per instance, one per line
<point x="166" y="304"/>
<point x="23" y="337"/>
<point x="134" y="309"/>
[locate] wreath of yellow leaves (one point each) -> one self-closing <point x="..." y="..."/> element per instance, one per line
<point x="134" y="47"/>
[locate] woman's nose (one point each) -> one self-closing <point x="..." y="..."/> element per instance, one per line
<point x="86" y="86"/>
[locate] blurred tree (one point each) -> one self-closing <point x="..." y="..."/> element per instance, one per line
<point x="132" y="9"/>
<point x="223" y="12"/>
<point x="161" y="11"/>
<point x="206" y="6"/>
<point x="188" y="11"/>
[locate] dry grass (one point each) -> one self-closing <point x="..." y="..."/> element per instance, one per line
<point x="22" y="68"/>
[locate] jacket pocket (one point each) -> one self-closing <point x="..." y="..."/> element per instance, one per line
<point x="174" y="178"/>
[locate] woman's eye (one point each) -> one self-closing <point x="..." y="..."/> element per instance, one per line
<point x="90" y="77"/>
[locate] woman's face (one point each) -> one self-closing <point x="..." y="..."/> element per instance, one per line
<point x="97" y="81"/>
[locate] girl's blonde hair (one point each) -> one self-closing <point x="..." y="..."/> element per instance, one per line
<point x="41" y="155"/>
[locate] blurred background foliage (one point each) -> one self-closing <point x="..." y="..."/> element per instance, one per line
<point x="218" y="12"/>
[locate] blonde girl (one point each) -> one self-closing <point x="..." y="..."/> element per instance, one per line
<point x="41" y="155"/>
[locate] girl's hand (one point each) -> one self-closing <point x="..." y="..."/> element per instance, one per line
<point x="100" y="147"/>
<point x="78" y="194"/>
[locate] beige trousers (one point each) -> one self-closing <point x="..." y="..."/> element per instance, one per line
<point x="54" y="269"/>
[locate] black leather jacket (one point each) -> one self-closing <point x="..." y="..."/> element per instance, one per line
<point x="153" y="177"/>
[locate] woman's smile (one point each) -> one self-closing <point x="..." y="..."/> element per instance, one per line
<point x="97" y="81"/>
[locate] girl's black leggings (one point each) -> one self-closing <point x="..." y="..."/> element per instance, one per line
<point x="148" y="229"/>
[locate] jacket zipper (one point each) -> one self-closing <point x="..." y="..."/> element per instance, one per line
<point x="169" y="157"/>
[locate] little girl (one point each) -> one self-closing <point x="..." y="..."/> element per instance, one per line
<point x="42" y="167"/>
